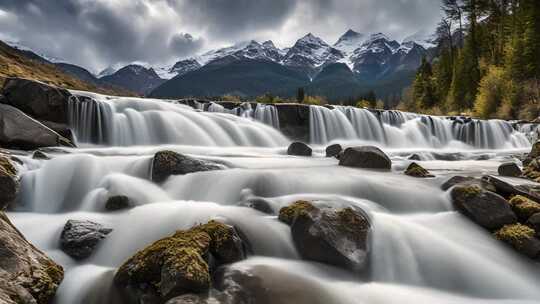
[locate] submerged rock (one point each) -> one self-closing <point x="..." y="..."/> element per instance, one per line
<point x="415" y="170"/>
<point x="179" y="264"/>
<point x="333" y="150"/>
<point x="259" y="204"/>
<point x="486" y="208"/>
<point x="509" y="169"/>
<point x="369" y="157"/>
<point x="9" y="183"/>
<point x="40" y="155"/>
<point x="534" y="223"/>
<point x="80" y="238"/>
<point x="191" y="299"/>
<point x="167" y="163"/>
<point x="522" y="238"/>
<point x="27" y="275"/>
<point x="336" y="237"/>
<point x="415" y="157"/>
<point x="39" y="100"/>
<point x="23" y="132"/>
<point x="299" y="149"/>
<point x="118" y="202"/>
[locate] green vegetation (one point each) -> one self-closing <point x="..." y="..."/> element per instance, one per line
<point x="290" y="213"/>
<point x="489" y="67"/>
<point x="524" y="207"/>
<point x="515" y="234"/>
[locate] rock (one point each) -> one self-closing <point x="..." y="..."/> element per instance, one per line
<point x="27" y="275"/>
<point x="37" y="99"/>
<point x="521" y="238"/>
<point x="333" y="150"/>
<point x="485" y="208"/>
<point x="507" y="190"/>
<point x="118" y="202"/>
<point x="294" y="120"/>
<point x="335" y="237"/>
<point x="467" y="181"/>
<point x="22" y="132"/>
<point x="509" y="169"/>
<point x="40" y="155"/>
<point x="62" y="129"/>
<point x="167" y="163"/>
<point x="415" y="157"/>
<point x="299" y="149"/>
<point x="415" y="170"/>
<point x="535" y="153"/>
<point x="259" y="204"/>
<point x="9" y="182"/>
<point x="289" y="214"/>
<point x="369" y="157"/>
<point x="179" y="264"/>
<point x="524" y="207"/>
<point x="190" y="299"/>
<point x="80" y="238"/>
<point x="534" y="223"/>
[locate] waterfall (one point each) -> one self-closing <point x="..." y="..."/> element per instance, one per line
<point x="400" y="129"/>
<point x="122" y="121"/>
<point x="264" y="113"/>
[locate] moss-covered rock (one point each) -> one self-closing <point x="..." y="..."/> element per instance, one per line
<point x="167" y="163"/>
<point x="179" y="264"/>
<point x="535" y="153"/>
<point x="26" y="273"/>
<point x="288" y="214"/>
<point x="486" y="208"/>
<point x="520" y="237"/>
<point x="9" y="183"/>
<point x="534" y="223"/>
<point x="415" y="170"/>
<point x="524" y="207"/>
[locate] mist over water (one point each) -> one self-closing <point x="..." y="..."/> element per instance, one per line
<point x="422" y="252"/>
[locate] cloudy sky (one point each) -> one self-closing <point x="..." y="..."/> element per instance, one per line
<point x="99" y="33"/>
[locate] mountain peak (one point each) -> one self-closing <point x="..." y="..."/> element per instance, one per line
<point x="269" y="43"/>
<point x="351" y="33"/>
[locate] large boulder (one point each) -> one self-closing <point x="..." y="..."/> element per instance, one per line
<point x="509" y="169"/>
<point x="336" y="237"/>
<point x="299" y="149"/>
<point x="23" y="132"/>
<point x="39" y="100"/>
<point x="522" y="238"/>
<point x="415" y="170"/>
<point x="80" y="238"/>
<point x="369" y="157"/>
<point x="27" y="275"/>
<point x="467" y="181"/>
<point x="486" y="208"/>
<point x="179" y="264"/>
<point x="167" y="163"/>
<point x="9" y="182"/>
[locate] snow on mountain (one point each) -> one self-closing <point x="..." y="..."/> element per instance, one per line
<point x="311" y="52"/>
<point x="423" y="37"/>
<point x="349" y="42"/>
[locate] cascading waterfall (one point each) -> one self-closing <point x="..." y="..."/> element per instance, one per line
<point x="401" y="129"/>
<point x="264" y="113"/>
<point x="120" y="121"/>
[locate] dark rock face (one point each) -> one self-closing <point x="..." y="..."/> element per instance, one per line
<point x="509" y="169"/>
<point x="299" y="149"/>
<point x="189" y="299"/>
<point x="522" y="238"/>
<point x="118" y="202"/>
<point x="62" y="129"/>
<point x="415" y="157"/>
<point x="415" y="170"/>
<point x="294" y="121"/>
<point x="507" y="190"/>
<point x="369" y="157"/>
<point x="80" y="238"/>
<point x="21" y="131"/>
<point x="534" y="223"/>
<point x="467" y="181"/>
<point x="335" y="237"/>
<point x="40" y="155"/>
<point x="27" y="275"/>
<point x="259" y="204"/>
<point x="167" y="163"/>
<point x="37" y="99"/>
<point x="486" y="208"/>
<point x="535" y="153"/>
<point x="179" y="264"/>
<point x="333" y="150"/>
<point x="9" y="183"/>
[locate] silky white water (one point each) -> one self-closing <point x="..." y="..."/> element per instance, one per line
<point x="422" y="252"/>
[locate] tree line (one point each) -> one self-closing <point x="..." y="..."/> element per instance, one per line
<point x="487" y="62"/>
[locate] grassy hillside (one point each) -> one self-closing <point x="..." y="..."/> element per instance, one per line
<point x="14" y="63"/>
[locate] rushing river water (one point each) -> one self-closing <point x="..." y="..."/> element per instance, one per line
<point x="423" y="251"/>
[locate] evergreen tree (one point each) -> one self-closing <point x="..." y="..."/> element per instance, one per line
<point x="300" y="95"/>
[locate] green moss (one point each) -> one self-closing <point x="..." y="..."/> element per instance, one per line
<point x="45" y="282"/>
<point x="468" y="191"/>
<point x="515" y="234"/>
<point x="7" y="167"/>
<point x="416" y="170"/>
<point x="219" y="233"/>
<point x="524" y="207"/>
<point x="288" y="214"/>
<point x="350" y="221"/>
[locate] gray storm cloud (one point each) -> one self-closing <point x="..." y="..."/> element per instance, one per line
<point x="98" y="33"/>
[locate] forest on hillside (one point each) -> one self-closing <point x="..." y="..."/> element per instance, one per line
<point x="487" y="62"/>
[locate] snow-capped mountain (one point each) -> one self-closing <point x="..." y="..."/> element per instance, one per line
<point x="311" y="52"/>
<point x="349" y="42"/>
<point x="424" y="38"/>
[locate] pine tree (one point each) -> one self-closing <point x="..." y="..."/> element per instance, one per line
<point x="300" y="95"/>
